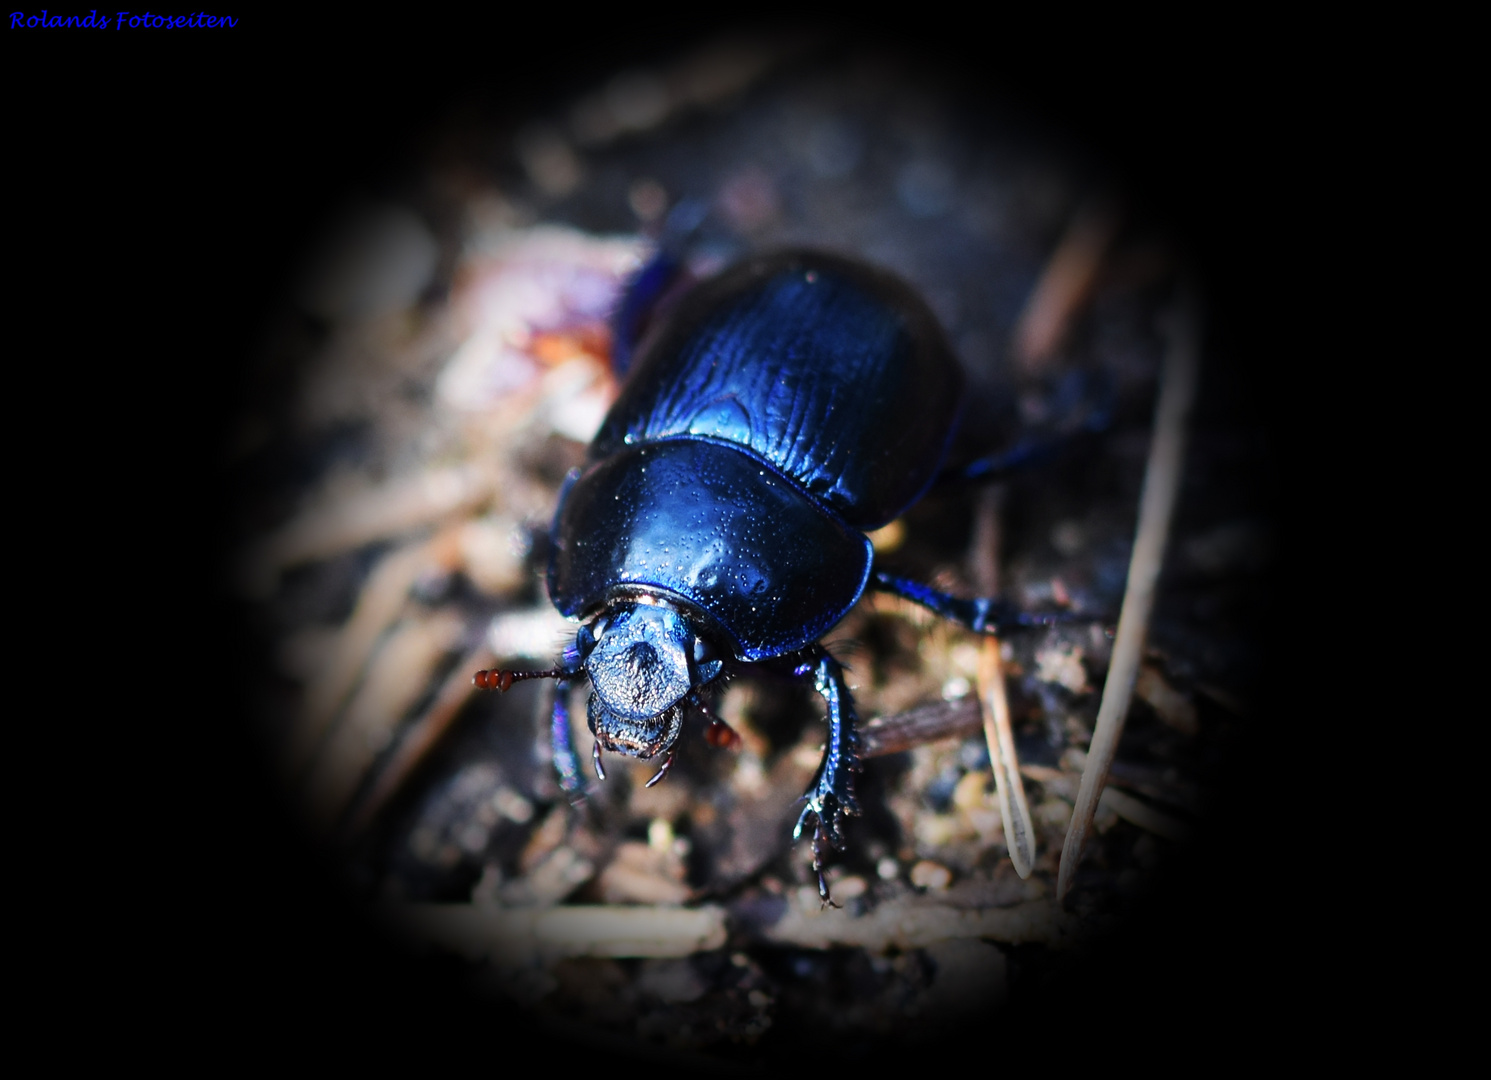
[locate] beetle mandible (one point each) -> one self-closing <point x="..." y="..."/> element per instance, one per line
<point x="781" y="411"/>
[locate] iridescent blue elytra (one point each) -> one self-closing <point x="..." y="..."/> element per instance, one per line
<point x="788" y="406"/>
<point x="779" y="412"/>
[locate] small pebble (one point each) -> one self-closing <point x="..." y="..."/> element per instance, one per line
<point x="972" y="791"/>
<point x="1054" y="812"/>
<point x="929" y="875"/>
<point x="660" y="834"/>
<point x="849" y="887"/>
<point x="1062" y="664"/>
<point x="511" y="805"/>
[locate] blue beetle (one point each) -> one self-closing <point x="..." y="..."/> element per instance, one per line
<point x="780" y="412"/>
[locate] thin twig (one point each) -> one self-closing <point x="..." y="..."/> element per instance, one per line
<point x="396" y="679"/>
<point x="524" y="937"/>
<point x="1162" y="477"/>
<point x="1014" y="811"/>
<point x="916" y="922"/>
<point x="893" y="734"/>
<point x="331" y="527"/>
<point x="1138" y="812"/>
<point x="987" y="535"/>
<point x="382" y="598"/>
<point x="1065" y="283"/>
<point x="1019" y="829"/>
<point x="423" y="734"/>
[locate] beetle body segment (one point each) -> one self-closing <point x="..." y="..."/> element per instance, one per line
<point x="834" y="374"/>
<point x="755" y="559"/>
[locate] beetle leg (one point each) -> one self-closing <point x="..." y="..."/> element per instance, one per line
<point x="565" y="761"/>
<point x="595" y="755"/>
<point x="650" y="288"/>
<point x="639" y="301"/>
<point x="1078" y="405"/>
<point x="831" y="797"/>
<point x="981" y="614"/>
<point x="662" y="772"/>
<point x="824" y="898"/>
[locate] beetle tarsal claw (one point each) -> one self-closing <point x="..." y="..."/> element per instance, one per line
<point x="824" y="898"/>
<point x="828" y="812"/>
<point x="663" y="771"/>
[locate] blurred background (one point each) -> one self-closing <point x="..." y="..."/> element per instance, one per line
<point x="384" y="308"/>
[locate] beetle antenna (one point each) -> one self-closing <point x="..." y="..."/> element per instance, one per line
<point x="718" y="734"/>
<point x="721" y="735"/>
<point x="502" y="678"/>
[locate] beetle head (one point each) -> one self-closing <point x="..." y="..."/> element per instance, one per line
<point x="643" y="660"/>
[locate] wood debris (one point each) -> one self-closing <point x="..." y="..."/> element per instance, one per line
<point x="912" y="924"/>
<point x="525" y="936"/>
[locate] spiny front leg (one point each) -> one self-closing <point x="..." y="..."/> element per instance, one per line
<point x="566" y="764"/>
<point x="831" y="797"/>
<point x="564" y="674"/>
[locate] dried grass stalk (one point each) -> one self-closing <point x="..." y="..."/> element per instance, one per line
<point x="1162" y="477"/>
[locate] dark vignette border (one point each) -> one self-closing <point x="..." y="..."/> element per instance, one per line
<point x="164" y="189"/>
